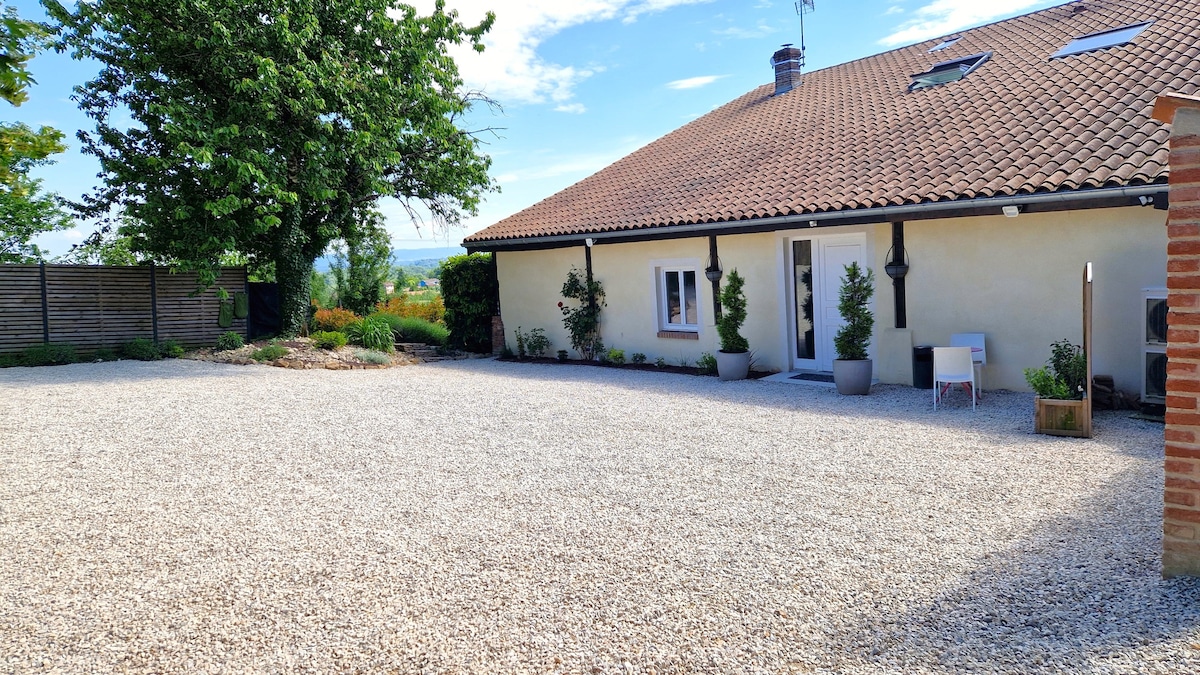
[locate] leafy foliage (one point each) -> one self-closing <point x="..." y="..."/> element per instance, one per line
<point x="272" y="131"/>
<point x="141" y="349"/>
<point x="229" y="340"/>
<point x="707" y="363"/>
<point x="362" y="266"/>
<point x="105" y="354"/>
<point x="637" y="357"/>
<point x="852" y="339"/>
<point x="534" y="343"/>
<point x="733" y="315"/>
<point x="415" y="329"/>
<point x="328" y="339"/>
<point x="471" y="294"/>
<point x="1064" y="376"/>
<point x="170" y="349"/>
<point x="372" y="356"/>
<point x="616" y="356"/>
<point x="335" y="319"/>
<point x="583" y="321"/>
<point x="49" y="355"/>
<point x="373" y="332"/>
<point x="562" y="355"/>
<point x="401" y="305"/>
<point x="269" y="353"/>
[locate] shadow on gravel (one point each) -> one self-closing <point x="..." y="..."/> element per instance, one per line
<point x="1081" y="594"/>
<point x="1004" y="417"/>
<point x="118" y="371"/>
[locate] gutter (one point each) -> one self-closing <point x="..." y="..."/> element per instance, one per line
<point x="880" y="214"/>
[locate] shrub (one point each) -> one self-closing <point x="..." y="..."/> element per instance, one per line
<point x="433" y="311"/>
<point x="562" y="355"/>
<point x="660" y="362"/>
<point x="229" y="340"/>
<point x="372" y="356"/>
<point x="329" y="339"/>
<point x="10" y="360"/>
<point x="471" y="292"/>
<point x="373" y="332"/>
<point x="583" y="321"/>
<point x="616" y="356"/>
<point x="142" y="349"/>
<point x="534" y="343"/>
<point x="1064" y="376"/>
<point x="707" y="363"/>
<point x="105" y="354"/>
<point x="638" y="357"/>
<point x="49" y="355"/>
<point x="269" y="353"/>
<point x="852" y="339"/>
<point x="170" y="349"/>
<point x="733" y="315"/>
<point x="335" y="319"/>
<point x="413" y="329"/>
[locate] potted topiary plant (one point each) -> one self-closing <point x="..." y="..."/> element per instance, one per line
<point x="733" y="359"/>
<point x="852" y="368"/>
<point x="1060" y="408"/>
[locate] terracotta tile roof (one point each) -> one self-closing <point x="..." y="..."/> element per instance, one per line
<point x="853" y="136"/>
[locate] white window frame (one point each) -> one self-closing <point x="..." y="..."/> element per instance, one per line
<point x="661" y="269"/>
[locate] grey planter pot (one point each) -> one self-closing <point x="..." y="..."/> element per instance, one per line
<point x="733" y="366"/>
<point x="852" y="378"/>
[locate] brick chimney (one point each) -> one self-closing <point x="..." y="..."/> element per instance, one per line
<point x="787" y="63"/>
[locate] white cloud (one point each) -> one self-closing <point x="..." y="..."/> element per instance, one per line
<point x="575" y="108"/>
<point x="946" y="16"/>
<point x="759" y="31"/>
<point x="511" y="70"/>
<point x="894" y="9"/>
<point x="694" y="82"/>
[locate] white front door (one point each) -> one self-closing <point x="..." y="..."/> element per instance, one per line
<point x="819" y="264"/>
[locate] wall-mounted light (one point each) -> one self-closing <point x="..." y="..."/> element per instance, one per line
<point x="1146" y="200"/>
<point x="589" y="241"/>
<point x="812" y="223"/>
<point x="1011" y="211"/>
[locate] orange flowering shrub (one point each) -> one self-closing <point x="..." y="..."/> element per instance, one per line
<point x="333" y="319"/>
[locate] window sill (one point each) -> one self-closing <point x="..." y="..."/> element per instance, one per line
<point x="678" y="335"/>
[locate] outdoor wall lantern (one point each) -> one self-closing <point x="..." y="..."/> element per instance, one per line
<point x="896" y="267"/>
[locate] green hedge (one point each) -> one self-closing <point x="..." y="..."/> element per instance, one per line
<point x="471" y="293"/>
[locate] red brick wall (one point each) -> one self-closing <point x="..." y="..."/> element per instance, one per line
<point x="1181" y="494"/>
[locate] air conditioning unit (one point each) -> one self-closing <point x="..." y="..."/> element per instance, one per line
<point x="1154" y="346"/>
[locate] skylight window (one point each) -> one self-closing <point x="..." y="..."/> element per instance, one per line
<point x="1101" y="40"/>
<point x="944" y="44"/>
<point x="948" y="71"/>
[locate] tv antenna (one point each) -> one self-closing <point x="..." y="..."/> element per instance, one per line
<point x="803" y="7"/>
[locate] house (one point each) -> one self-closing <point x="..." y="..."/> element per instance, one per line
<point x="993" y="162"/>
<point x="429" y="283"/>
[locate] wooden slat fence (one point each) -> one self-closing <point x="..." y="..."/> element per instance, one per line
<point x="94" y="306"/>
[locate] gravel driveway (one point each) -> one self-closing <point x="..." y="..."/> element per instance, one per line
<point x="484" y="517"/>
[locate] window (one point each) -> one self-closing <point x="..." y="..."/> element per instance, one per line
<point x="944" y="44"/>
<point x="678" y="302"/>
<point x="948" y="71"/>
<point x="1101" y="40"/>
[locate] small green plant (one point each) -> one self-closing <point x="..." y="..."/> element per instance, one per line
<point x="616" y="356"/>
<point x="852" y="339"/>
<point x="170" y="349"/>
<point x="562" y="355"/>
<point x="637" y="357"/>
<point x="372" y="356"/>
<point x="10" y="360"/>
<point x="229" y="340"/>
<point x="707" y="363"/>
<point x="1064" y="375"/>
<point x="660" y="362"/>
<point x="269" y="353"/>
<point x="49" y="355"/>
<point x="373" y="332"/>
<point x="141" y="349"/>
<point x="105" y="354"/>
<point x="328" y="339"/>
<point x="583" y="321"/>
<point x="534" y="343"/>
<point x="733" y="315"/>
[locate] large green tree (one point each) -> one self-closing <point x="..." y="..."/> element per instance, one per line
<point x="25" y="210"/>
<point x="272" y="127"/>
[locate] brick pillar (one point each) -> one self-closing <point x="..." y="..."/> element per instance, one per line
<point x="1181" y="492"/>
<point x="497" y="335"/>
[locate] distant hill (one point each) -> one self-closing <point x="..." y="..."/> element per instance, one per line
<point x="422" y="257"/>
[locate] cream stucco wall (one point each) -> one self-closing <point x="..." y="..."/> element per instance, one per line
<point x="1015" y="279"/>
<point x="1019" y="281"/>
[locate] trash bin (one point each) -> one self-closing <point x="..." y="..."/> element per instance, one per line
<point x="923" y="367"/>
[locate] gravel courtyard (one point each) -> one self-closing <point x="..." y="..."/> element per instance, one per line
<point x="487" y="517"/>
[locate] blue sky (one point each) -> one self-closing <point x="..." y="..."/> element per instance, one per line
<point x="581" y="82"/>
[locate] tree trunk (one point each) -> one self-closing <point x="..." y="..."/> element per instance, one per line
<point x="293" y="268"/>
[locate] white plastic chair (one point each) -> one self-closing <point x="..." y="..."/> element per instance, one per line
<point x="978" y="353"/>
<point x="952" y="365"/>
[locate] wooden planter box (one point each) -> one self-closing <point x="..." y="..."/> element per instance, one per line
<point x="1057" y="417"/>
